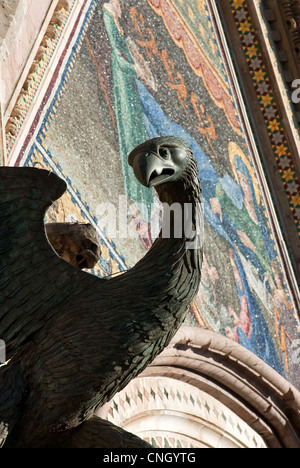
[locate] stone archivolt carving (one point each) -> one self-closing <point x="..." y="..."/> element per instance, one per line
<point x="36" y="72"/>
<point x="168" y="412"/>
<point x="291" y="8"/>
<point x="284" y="19"/>
<point x="247" y="389"/>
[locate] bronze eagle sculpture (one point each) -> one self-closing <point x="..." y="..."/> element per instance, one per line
<point x="74" y="340"/>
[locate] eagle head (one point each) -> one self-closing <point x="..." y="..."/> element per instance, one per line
<point x="159" y="160"/>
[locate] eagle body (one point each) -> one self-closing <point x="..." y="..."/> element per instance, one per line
<point x="75" y="340"/>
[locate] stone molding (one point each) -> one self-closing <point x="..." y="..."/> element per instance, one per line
<point x="230" y="374"/>
<point x="283" y="17"/>
<point x="38" y="67"/>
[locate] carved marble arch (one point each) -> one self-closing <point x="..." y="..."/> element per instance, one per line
<point x="205" y="390"/>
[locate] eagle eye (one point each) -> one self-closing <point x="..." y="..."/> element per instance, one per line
<point x="164" y="152"/>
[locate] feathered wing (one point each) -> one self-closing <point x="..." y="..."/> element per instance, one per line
<point x="99" y="433"/>
<point x="68" y="311"/>
<point x="13" y="388"/>
<point x="34" y="280"/>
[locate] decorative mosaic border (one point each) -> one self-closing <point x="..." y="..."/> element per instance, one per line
<point x="268" y="105"/>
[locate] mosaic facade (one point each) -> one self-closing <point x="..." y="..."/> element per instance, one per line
<point x="156" y="68"/>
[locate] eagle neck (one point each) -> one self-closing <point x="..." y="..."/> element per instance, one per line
<point x="172" y="266"/>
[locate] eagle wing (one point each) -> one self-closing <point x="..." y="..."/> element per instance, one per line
<point x="100" y="433"/>
<point x="34" y="281"/>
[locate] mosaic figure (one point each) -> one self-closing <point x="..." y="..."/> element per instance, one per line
<point x="128" y="111"/>
<point x="230" y="222"/>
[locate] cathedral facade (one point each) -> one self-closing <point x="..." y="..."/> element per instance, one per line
<point x="85" y="81"/>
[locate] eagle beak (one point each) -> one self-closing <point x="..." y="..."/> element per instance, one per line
<point x="151" y="170"/>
